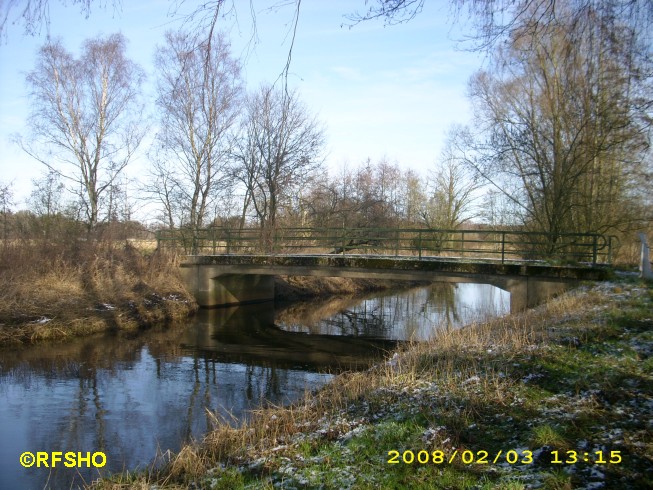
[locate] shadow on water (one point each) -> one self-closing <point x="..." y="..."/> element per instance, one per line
<point x="239" y="340"/>
<point x="133" y="395"/>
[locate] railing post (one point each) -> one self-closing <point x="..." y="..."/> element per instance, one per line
<point x="419" y="244"/>
<point x="396" y="243"/>
<point x="462" y="238"/>
<point x="213" y="239"/>
<point x="594" y="249"/>
<point x="275" y="240"/>
<point x="503" y="246"/>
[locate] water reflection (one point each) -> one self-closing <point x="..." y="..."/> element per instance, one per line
<point x="413" y="314"/>
<point x="230" y="336"/>
<point x="133" y="395"/>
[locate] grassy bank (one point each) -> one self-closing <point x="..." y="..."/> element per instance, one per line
<point x="493" y="405"/>
<point x="54" y="291"/>
<point x="58" y="290"/>
<point x="295" y="288"/>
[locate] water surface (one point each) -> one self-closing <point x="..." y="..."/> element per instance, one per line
<point x="134" y="395"/>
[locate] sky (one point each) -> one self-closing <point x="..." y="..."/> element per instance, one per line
<point x="380" y="91"/>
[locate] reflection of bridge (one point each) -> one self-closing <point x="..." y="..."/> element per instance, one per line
<point x="229" y="267"/>
<point x="248" y="335"/>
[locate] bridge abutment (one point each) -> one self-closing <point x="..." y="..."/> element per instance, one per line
<point x="211" y="288"/>
<point x="528" y="292"/>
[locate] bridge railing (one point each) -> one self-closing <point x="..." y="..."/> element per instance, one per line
<point x="500" y="245"/>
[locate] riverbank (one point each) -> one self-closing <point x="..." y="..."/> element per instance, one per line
<point x="557" y="397"/>
<point x="50" y="292"/>
<point x="58" y="291"/>
<point x="297" y="288"/>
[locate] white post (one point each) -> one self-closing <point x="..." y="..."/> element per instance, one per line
<point x="645" y="260"/>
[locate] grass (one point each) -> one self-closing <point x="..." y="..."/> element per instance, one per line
<point x="293" y="288"/>
<point x="58" y="290"/>
<point x="573" y="375"/>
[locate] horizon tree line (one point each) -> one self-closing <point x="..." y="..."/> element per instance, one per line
<point x="560" y="142"/>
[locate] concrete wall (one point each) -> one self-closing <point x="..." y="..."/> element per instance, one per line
<point x="211" y="288"/>
<point x="528" y="292"/>
<point x="219" y="285"/>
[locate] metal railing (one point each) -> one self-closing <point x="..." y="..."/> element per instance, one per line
<point x="501" y="245"/>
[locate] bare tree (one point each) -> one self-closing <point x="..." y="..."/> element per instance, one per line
<point x="450" y="192"/>
<point x="414" y="197"/>
<point x="278" y="148"/>
<point x="378" y="195"/>
<point x="86" y="115"/>
<point x="6" y="200"/>
<point x="499" y="20"/>
<point x="199" y="94"/>
<point x="566" y="124"/>
<point x="119" y="207"/>
<point x="46" y="200"/>
<point x="161" y="187"/>
<point x="6" y="197"/>
<point x="498" y="211"/>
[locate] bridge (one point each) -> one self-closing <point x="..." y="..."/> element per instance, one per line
<point x="231" y="266"/>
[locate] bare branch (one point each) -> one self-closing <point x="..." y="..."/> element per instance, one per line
<point x="391" y="11"/>
<point x="199" y="92"/>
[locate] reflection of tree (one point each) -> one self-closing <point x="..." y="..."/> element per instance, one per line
<point x="372" y="318"/>
<point x="273" y="389"/>
<point x="130" y="393"/>
<point x="266" y="383"/>
<point x="443" y="295"/>
<point x="190" y="411"/>
<point x="405" y="314"/>
<point x="401" y="315"/>
<point x="273" y="385"/>
<point x="88" y="389"/>
<point x="363" y="321"/>
<point x="249" y="382"/>
<point x="209" y="381"/>
<point x="86" y="412"/>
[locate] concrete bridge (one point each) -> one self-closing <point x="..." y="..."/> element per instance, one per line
<point x="232" y="266"/>
<point x="219" y="280"/>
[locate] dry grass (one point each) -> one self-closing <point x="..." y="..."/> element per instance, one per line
<point x="461" y="360"/>
<point x="57" y="290"/>
<point x="291" y="288"/>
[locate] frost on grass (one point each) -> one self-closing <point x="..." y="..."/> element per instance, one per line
<point x="500" y="399"/>
<point x="42" y="320"/>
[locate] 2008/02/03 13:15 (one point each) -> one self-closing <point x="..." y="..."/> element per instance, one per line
<point x="511" y="457"/>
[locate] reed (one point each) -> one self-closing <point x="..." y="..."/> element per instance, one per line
<point x="57" y="290"/>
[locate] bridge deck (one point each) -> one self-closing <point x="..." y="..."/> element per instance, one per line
<point x="400" y="267"/>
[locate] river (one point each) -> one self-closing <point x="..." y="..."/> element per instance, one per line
<point x="132" y="396"/>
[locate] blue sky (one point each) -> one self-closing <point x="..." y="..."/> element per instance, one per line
<point x="380" y="91"/>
